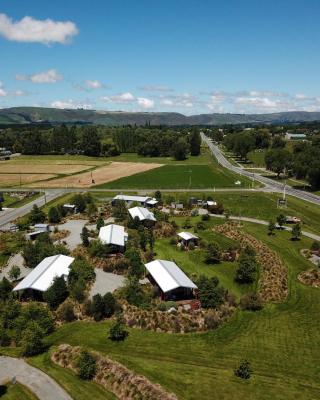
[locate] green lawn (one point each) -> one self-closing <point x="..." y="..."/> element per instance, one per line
<point x="259" y="205"/>
<point x="178" y="177"/>
<point x="77" y="388"/>
<point x="15" y="203"/>
<point x="16" y="392"/>
<point x="281" y="342"/>
<point x="256" y="158"/>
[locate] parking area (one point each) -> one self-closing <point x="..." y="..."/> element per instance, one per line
<point x="106" y="282"/>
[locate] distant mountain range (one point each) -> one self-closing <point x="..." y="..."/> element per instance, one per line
<point x="34" y="115"/>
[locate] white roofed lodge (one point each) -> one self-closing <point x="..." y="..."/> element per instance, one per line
<point x="42" y="276"/>
<point x="172" y="281"/>
<point x="114" y="235"/>
<point x="142" y="213"/>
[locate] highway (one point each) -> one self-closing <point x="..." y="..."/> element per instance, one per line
<point x="271" y="185"/>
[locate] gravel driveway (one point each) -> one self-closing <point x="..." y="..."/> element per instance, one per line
<point x="35" y="380"/>
<point x="106" y="282"/>
<point x="75" y="227"/>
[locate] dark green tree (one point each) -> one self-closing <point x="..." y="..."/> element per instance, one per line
<point x="90" y="142"/>
<point x="195" y="142"/>
<point x="36" y="215"/>
<point x="53" y="215"/>
<point x="86" y="366"/>
<point x="56" y="293"/>
<point x="213" y="253"/>
<point x="244" y="370"/>
<point x="85" y="237"/>
<point x="117" y="331"/>
<point x="100" y="223"/>
<point x="296" y="232"/>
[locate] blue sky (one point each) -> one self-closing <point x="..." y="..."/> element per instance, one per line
<point x="179" y="55"/>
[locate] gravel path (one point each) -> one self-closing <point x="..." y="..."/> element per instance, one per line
<point x="75" y="227"/>
<point x="35" y="380"/>
<point x="106" y="282"/>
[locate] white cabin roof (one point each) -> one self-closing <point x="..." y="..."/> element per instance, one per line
<point x="187" y="236"/>
<point x="142" y="213"/>
<point x="42" y="276"/>
<point x="168" y="275"/>
<point x="113" y="234"/>
<point x="125" y="197"/>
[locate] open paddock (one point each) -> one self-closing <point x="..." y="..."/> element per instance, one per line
<point x="15" y="179"/>
<point x="30" y="168"/>
<point x="107" y="173"/>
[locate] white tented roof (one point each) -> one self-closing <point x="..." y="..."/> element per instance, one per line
<point x="113" y="234"/>
<point x="42" y="276"/>
<point x="142" y="213"/>
<point x="124" y="197"/>
<point x="211" y="203"/>
<point x="67" y="205"/>
<point x="168" y="275"/>
<point x="187" y="236"/>
<point x="152" y="202"/>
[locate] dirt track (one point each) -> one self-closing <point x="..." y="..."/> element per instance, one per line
<point x="105" y="174"/>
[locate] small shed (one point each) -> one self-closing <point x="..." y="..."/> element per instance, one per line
<point x="71" y="208"/>
<point x="186" y="238"/>
<point x="114" y="235"/>
<point x="171" y="280"/>
<point x="43" y="275"/>
<point x="143" y="214"/>
<point x="42" y="227"/>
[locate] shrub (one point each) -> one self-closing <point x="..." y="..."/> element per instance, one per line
<point x="14" y="272"/>
<point x="251" y="302"/>
<point x="65" y="312"/>
<point x="85" y="237"/>
<point x="200" y="225"/>
<point x="86" y="366"/>
<point x="187" y="224"/>
<point x="315" y="246"/>
<point x="211" y="294"/>
<point x="174" y="241"/>
<point x="247" y="268"/>
<point x="205" y="217"/>
<point x="53" y="215"/>
<point x="4" y="337"/>
<point x="32" y="340"/>
<point x="191" y="246"/>
<point x="296" y="232"/>
<point x="5" y="288"/>
<point x="213" y="253"/>
<point x="36" y="215"/>
<point x="244" y="370"/>
<point x="56" y="293"/>
<point x="117" y="331"/>
<point x="100" y="223"/>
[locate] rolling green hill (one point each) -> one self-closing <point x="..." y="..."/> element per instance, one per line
<point x="26" y="115"/>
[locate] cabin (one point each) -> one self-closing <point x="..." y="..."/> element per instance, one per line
<point x="144" y="201"/>
<point x="172" y="282"/>
<point x="115" y="236"/>
<point x="70" y="208"/>
<point x="295" y="136"/>
<point x="42" y="276"/>
<point x="185" y="238"/>
<point x="39" y="229"/>
<point x="143" y="214"/>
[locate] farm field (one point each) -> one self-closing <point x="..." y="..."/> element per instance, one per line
<point x="178" y="177"/>
<point x="101" y="175"/>
<point x="198" y="366"/>
<point x="7" y="180"/>
<point x="42" y="168"/>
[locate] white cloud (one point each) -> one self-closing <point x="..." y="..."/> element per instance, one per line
<point x="167" y="102"/>
<point x="50" y="76"/>
<point x="155" y="88"/>
<point x="62" y="104"/>
<point x="145" y="103"/>
<point x="3" y="93"/>
<point x="121" y="98"/>
<point x="93" y="84"/>
<point x="29" y="29"/>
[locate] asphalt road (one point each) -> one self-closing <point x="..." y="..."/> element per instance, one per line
<point x="44" y="387"/>
<point x="271" y="185"/>
<point x="7" y="216"/>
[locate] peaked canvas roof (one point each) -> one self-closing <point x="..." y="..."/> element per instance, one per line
<point x="187" y="236"/>
<point x="42" y="276"/>
<point x="142" y="213"/>
<point x="113" y="234"/>
<point x="168" y="275"/>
